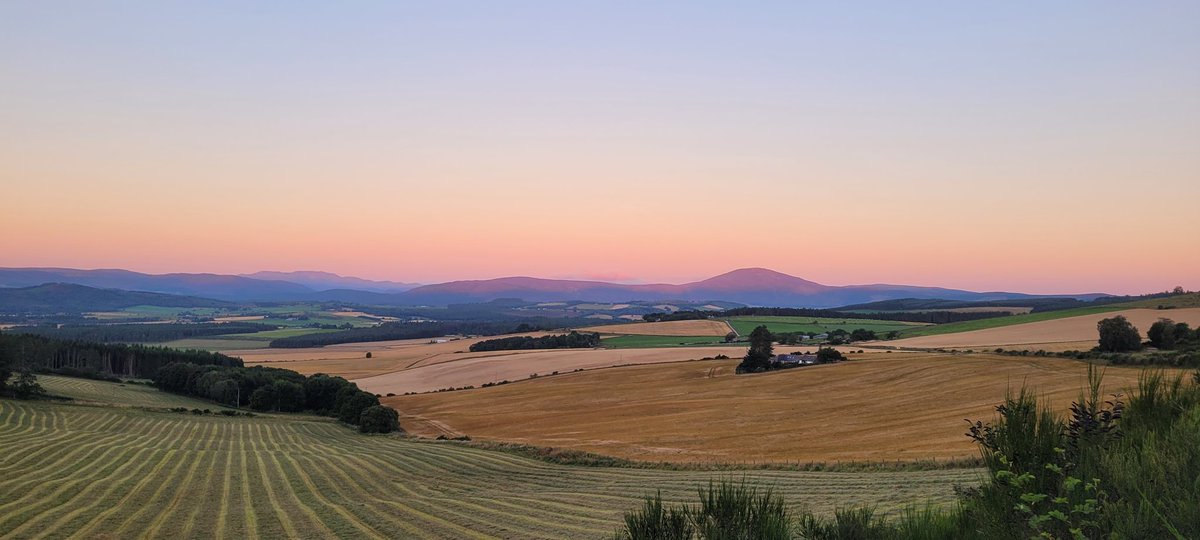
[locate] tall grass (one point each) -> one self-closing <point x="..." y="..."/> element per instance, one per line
<point x="1109" y="469"/>
<point x="726" y="511"/>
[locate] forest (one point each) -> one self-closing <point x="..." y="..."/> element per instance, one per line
<point x="934" y="317"/>
<point x="83" y="358"/>
<point x="142" y="333"/>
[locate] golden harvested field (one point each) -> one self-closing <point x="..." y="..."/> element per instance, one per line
<point x="668" y="328"/>
<point x="416" y="365"/>
<point x="1054" y="335"/>
<point x="875" y="407"/>
<point x="475" y="369"/>
<point x="349" y="359"/>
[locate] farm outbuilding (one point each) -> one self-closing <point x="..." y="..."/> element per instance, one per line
<point x="800" y="359"/>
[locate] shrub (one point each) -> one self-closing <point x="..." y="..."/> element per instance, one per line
<point x="378" y="419"/>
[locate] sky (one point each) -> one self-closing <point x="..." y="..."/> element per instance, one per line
<point x="1025" y="146"/>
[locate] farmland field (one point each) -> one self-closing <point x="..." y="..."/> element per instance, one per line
<point x="1058" y="333"/>
<point x="745" y="325"/>
<point x="475" y="369"/>
<point x="234" y="342"/>
<point x="666" y="328"/>
<point x="1012" y="320"/>
<point x="634" y="341"/>
<point x="873" y="407"/>
<point x="127" y="394"/>
<point x="102" y="472"/>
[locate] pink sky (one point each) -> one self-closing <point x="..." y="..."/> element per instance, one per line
<point x="1048" y="150"/>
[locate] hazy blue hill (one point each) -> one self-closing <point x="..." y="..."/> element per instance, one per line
<point x="71" y="298"/>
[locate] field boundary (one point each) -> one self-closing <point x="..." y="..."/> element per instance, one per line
<point x="579" y="458"/>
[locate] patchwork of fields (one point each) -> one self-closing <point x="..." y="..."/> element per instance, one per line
<point x="667" y="328"/>
<point x="100" y="472"/>
<point x="817" y="325"/>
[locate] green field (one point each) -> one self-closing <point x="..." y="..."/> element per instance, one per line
<point x="96" y="471"/>
<point x="127" y="394"/>
<point x="231" y="342"/>
<point x="815" y="325"/>
<point x="637" y="342"/>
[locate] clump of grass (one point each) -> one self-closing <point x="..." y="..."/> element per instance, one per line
<point x="726" y="511"/>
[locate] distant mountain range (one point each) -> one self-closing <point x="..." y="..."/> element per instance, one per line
<point x="750" y="286"/>
<point x="324" y="281"/>
<point x="72" y="298"/>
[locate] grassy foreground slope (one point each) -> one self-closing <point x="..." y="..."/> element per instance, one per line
<point x="131" y="395"/>
<point x="104" y="472"/>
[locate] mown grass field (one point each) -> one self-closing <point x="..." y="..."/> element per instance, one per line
<point x="126" y="394"/>
<point x="102" y="472"/>
<point x="745" y="325"/>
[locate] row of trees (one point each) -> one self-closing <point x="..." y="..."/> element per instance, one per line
<point x="83" y="358"/>
<point x="282" y="390"/>
<point x="837" y="336"/>
<point x="1168" y="335"/>
<point x="150" y="333"/>
<point x="935" y="317"/>
<point x="573" y="340"/>
<point x="1117" y="334"/>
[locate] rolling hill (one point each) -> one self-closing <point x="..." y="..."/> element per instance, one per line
<point x="753" y="286"/>
<point x="71" y="298"/>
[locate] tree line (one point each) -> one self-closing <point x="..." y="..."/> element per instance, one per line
<point x="83" y="358"/>
<point x="274" y="389"/>
<point x="934" y="317"/>
<point x="573" y="340"/>
<point x="147" y="333"/>
<point x="1117" y="334"/>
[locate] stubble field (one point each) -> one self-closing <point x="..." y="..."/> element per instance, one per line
<point x="1059" y="334"/>
<point x="875" y="407"/>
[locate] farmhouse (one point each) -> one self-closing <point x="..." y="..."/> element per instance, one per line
<point x="797" y="359"/>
